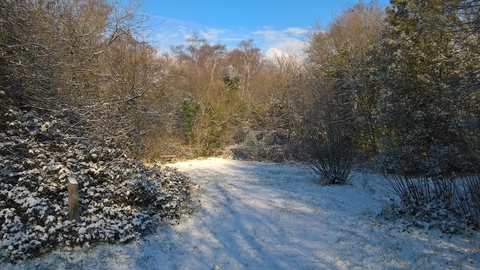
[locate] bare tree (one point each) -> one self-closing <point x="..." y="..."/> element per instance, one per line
<point x="340" y="52"/>
<point x="246" y="60"/>
<point x="83" y="54"/>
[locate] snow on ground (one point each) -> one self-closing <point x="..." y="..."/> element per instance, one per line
<point x="252" y="215"/>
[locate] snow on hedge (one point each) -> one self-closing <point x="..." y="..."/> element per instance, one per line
<point x="120" y="198"/>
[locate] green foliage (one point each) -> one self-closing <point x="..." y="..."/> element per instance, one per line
<point x="257" y="112"/>
<point x="422" y="66"/>
<point x="231" y="83"/>
<point x="418" y="60"/>
<point x="189" y="110"/>
<point x="339" y="54"/>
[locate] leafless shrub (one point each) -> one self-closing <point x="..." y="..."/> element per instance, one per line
<point x="332" y="162"/>
<point x="472" y="190"/>
<point x="466" y="200"/>
<point x="410" y="189"/>
<point x="329" y="137"/>
<point x="447" y="177"/>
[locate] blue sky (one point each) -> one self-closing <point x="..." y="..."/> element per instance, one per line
<point x="275" y="26"/>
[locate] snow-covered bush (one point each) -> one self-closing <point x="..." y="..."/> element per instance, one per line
<point x="120" y="198"/>
<point x="466" y="200"/>
<point x="248" y="150"/>
<point x="265" y="145"/>
<point x="433" y="214"/>
<point x="443" y="189"/>
<point x="428" y="118"/>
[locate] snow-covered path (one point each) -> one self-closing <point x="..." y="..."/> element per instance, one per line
<point x="268" y="216"/>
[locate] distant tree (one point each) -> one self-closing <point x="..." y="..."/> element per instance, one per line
<point x="420" y="67"/>
<point x="86" y="55"/>
<point x="211" y="88"/>
<point x="343" y="116"/>
<point x="427" y="66"/>
<point x="289" y="102"/>
<point x="246" y="61"/>
<point x="339" y="53"/>
<point x="467" y="11"/>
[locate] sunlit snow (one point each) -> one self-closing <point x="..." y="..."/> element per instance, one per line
<point x="250" y="215"/>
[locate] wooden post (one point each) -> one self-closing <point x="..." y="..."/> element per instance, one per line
<point x="73" y="212"/>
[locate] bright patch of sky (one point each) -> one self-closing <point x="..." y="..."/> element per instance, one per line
<point x="275" y="26"/>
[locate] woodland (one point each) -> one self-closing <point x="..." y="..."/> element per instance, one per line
<point x="85" y="94"/>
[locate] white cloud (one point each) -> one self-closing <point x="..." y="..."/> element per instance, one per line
<point x="296" y="31"/>
<point x="284" y="47"/>
<point x="211" y="34"/>
<point x="274" y="52"/>
<point x="233" y="39"/>
<point x="269" y="40"/>
<point x="272" y="35"/>
<point x="268" y="35"/>
<point x="281" y="42"/>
